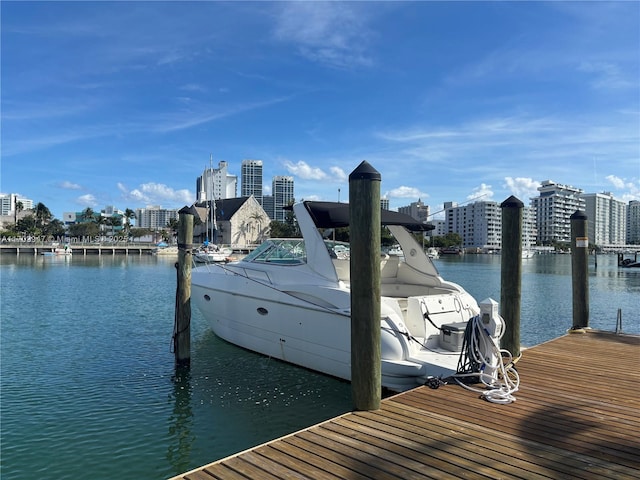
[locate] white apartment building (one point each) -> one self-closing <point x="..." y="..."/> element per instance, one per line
<point x="8" y="203"/>
<point x="216" y="184"/>
<point x="252" y="179"/>
<point x="606" y="219"/>
<point x="440" y="228"/>
<point x="553" y="207"/>
<point x="479" y="224"/>
<point x="633" y="222"/>
<point x="154" y="217"/>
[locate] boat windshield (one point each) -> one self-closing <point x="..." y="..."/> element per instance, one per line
<point x="285" y="251"/>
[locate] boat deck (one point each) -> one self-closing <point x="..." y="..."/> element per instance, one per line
<point x="577" y="415"/>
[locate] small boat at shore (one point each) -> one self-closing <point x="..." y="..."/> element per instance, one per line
<point x="212" y="254"/>
<point x="628" y="262"/>
<point x="526" y="253"/>
<point x="290" y="299"/>
<point x="433" y="253"/>
<point x="164" y="249"/>
<point x="57" y="250"/>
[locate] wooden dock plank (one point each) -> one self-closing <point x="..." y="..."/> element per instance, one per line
<point x="576" y="417"/>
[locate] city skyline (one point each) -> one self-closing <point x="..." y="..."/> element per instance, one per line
<point x="122" y="103"/>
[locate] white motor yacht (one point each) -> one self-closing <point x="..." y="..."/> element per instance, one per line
<point x="290" y="299"/>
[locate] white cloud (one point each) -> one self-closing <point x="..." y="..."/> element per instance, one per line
<point x="406" y="192"/>
<point x="339" y="174"/>
<point x="69" y="185"/>
<point x="156" y="194"/>
<point x="482" y="192"/>
<point x="330" y="33"/>
<point x="616" y="181"/>
<point x="87" y="200"/>
<point x="631" y="190"/>
<point x="523" y="188"/>
<point x="305" y="171"/>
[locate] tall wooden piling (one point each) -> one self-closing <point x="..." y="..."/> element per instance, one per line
<point x="364" y="213"/>
<point x="580" y="270"/>
<point x="511" y="273"/>
<point x="182" y="327"/>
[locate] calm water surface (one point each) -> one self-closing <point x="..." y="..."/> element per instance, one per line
<point x="88" y="380"/>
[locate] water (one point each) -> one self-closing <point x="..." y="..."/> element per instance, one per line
<point x="89" y="386"/>
<point x="546" y="303"/>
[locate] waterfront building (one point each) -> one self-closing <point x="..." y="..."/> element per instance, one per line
<point x="607" y="219"/>
<point x="8" y="213"/>
<point x="417" y="210"/>
<point x="155" y="217"/>
<point x="9" y="201"/>
<point x="633" y="222"/>
<point x="553" y="209"/>
<point x="529" y="231"/>
<point x="479" y="224"/>
<point x="252" y="179"/>
<point x="440" y="229"/>
<point x="240" y="222"/>
<point x="216" y="183"/>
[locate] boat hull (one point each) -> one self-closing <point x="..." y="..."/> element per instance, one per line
<point x="277" y="324"/>
<point x="309" y="326"/>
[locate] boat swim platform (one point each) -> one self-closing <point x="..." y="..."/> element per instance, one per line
<point x="576" y="415"/>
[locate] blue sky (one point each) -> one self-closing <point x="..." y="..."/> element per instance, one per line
<point x="122" y="103"/>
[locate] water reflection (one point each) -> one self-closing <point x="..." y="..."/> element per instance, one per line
<point x="180" y="437"/>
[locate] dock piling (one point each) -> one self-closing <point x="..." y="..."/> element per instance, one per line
<point x="182" y="327"/>
<point x="580" y="270"/>
<point x="511" y="273"/>
<point x="364" y="213"/>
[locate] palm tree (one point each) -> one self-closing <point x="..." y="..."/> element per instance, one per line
<point x="100" y="221"/>
<point x="87" y="215"/>
<point x="128" y="215"/>
<point x="114" y="221"/>
<point x="43" y="215"/>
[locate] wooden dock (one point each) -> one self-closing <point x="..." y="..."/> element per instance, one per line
<point x="577" y="415"/>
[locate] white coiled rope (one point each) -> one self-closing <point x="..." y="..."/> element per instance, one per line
<point x="500" y="386"/>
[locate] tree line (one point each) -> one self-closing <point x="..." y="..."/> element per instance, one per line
<point x="41" y="223"/>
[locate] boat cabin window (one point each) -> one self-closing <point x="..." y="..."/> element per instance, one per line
<point x="280" y="251"/>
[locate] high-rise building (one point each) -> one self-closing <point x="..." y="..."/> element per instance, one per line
<point x="633" y="222"/>
<point x="154" y="217"/>
<point x="283" y="195"/>
<point x="252" y="179"/>
<point x="8" y="203"/>
<point x="384" y="203"/>
<point x="417" y="210"/>
<point x="553" y="207"/>
<point x="216" y="184"/>
<point x="479" y="224"/>
<point x="607" y="219"/>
